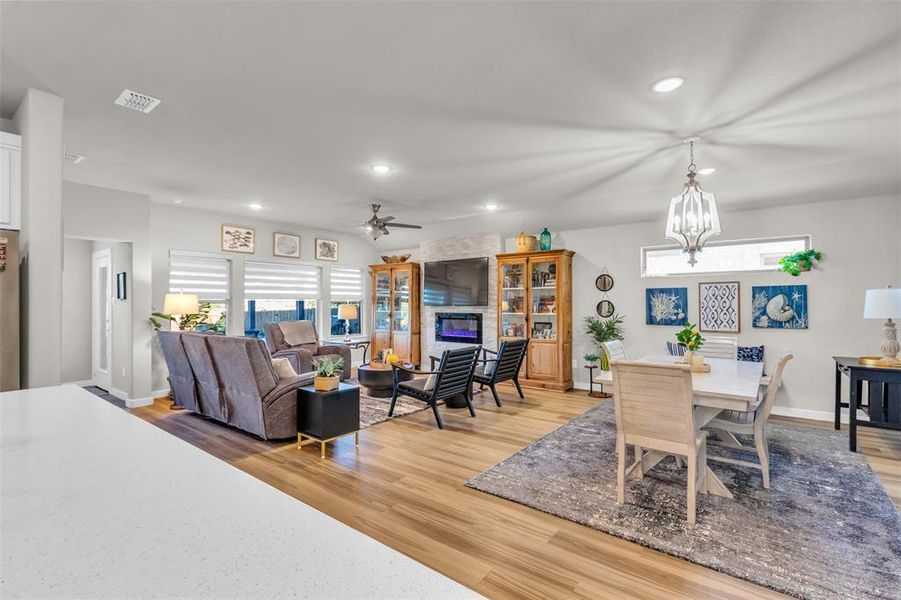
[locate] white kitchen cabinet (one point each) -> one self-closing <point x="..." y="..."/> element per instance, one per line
<point x="10" y="180"/>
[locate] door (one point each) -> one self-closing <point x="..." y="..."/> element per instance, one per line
<point x="101" y="319"/>
<point x="381" y="303"/>
<point x="401" y="313"/>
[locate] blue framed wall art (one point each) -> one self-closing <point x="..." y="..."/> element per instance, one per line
<point x="779" y="306"/>
<point x="666" y="306"/>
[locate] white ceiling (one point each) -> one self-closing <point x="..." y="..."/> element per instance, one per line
<point x="544" y="108"/>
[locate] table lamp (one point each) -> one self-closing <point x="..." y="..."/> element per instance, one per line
<point x="181" y="304"/>
<point x="885" y="304"/>
<point x="348" y="312"/>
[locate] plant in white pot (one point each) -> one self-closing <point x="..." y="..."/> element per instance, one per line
<point x="328" y="373"/>
<point x="692" y="341"/>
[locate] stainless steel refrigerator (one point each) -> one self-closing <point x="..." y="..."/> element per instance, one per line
<point x="9" y="310"/>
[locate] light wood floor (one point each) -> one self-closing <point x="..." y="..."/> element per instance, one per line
<point x="404" y="487"/>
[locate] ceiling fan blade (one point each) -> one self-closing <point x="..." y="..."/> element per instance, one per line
<point x="404" y="225"/>
<point x="386" y="219"/>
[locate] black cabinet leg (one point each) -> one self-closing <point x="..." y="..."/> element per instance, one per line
<point x="838" y="398"/>
<point x="856" y="392"/>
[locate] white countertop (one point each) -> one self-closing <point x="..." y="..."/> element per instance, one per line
<point x="95" y="502"/>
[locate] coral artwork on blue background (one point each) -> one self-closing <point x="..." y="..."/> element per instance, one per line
<point x="666" y="306"/>
<point x="779" y="306"/>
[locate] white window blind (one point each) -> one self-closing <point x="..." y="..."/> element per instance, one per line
<point x="205" y="276"/>
<point x="274" y="281"/>
<point x="346" y="284"/>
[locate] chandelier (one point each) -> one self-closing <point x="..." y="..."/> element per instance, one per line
<point x="692" y="216"/>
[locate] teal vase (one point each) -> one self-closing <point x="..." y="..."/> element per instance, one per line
<point x="545" y="239"/>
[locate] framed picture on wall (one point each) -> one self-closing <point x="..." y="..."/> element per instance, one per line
<point x="121" y="293"/>
<point x="666" y="306"/>
<point x="779" y="306"/>
<point x="286" y="245"/>
<point x="719" y="307"/>
<point x="326" y="250"/>
<point x="239" y="239"/>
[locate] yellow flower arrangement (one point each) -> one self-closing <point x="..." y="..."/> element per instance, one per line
<point x="392" y="358"/>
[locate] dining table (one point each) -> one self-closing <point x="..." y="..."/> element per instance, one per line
<point x="729" y="385"/>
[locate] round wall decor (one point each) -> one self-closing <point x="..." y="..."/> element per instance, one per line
<point x="605" y="309"/>
<point x="604" y="282"/>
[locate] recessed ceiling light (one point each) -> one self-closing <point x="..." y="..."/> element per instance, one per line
<point x="176" y="201"/>
<point x="72" y="158"/>
<point x="490" y="206"/>
<point x="668" y="84"/>
<point x="380" y="169"/>
<point x="137" y="101"/>
<point x="255" y="206"/>
<point x="707" y="171"/>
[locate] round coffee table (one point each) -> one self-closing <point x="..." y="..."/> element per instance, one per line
<point x="379" y="380"/>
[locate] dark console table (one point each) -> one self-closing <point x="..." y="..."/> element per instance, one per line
<point x="325" y="416"/>
<point x="883" y="396"/>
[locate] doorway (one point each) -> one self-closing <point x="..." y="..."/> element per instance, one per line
<point x="101" y="318"/>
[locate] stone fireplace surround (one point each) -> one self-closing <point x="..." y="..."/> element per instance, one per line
<point x="474" y="246"/>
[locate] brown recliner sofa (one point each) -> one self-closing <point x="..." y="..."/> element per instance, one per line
<point x="231" y="379"/>
<point x="299" y="343"/>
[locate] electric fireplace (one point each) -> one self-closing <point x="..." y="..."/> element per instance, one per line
<point x="463" y="328"/>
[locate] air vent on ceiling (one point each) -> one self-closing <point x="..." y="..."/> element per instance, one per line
<point x="137" y="101"/>
<point x="72" y="158"/>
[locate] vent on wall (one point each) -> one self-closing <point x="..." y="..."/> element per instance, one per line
<point x="72" y="158"/>
<point x="137" y="101"/>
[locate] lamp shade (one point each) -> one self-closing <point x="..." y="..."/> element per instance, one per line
<point x="181" y="304"/>
<point x="883" y="303"/>
<point x="347" y="311"/>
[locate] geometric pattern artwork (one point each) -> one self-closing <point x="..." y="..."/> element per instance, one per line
<point x="779" y="306"/>
<point x="719" y="307"/>
<point x="666" y="306"/>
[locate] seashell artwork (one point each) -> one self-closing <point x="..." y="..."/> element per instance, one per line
<point x="779" y="306"/>
<point x="666" y="306"/>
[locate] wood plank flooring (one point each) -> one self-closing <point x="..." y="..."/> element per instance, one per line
<point x="404" y="487"/>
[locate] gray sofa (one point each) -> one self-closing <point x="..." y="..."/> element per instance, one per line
<point x="231" y="379"/>
<point x="299" y="343"/>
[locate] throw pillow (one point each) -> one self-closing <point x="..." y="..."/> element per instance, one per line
<point x="750" y="353"/>
<point x="430" y="383"/>
<point x="283" y="367"/>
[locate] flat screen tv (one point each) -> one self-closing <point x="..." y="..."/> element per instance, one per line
<point x="461" y="282"/>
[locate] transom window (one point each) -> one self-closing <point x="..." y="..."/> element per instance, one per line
<point x="721" y="257"/>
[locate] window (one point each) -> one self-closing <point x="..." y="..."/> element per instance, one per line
<point x="207" y="277"/>
<point x="721" y="257"/>
<point x="277" y="292"/>
<point x="345" y="287"/>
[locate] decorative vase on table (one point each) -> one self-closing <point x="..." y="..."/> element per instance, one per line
<point x="688" y="357"/>
<point x="545" y="240"/>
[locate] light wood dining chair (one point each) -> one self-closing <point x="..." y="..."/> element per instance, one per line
<point x="614" y="350"/>
<point x="752" y="422"/>
<point x="720" y="347"/>
<point x="654" y="411"/>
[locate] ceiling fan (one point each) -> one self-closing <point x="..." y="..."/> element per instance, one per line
<point x="378" y="226"/>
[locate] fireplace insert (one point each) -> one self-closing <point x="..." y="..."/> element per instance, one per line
<point x="464" y="328"/>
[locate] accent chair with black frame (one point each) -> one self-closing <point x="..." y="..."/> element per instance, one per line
<point x="504" y="367"/>
<point x="453" y="377"/>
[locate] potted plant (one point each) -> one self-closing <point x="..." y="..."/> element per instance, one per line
<point x="592" y="359"/>
<point x="328" y="370"/>
<point x="799" y="262"/>
<point x="604" y="330"/>
<point x="692" y="341"/>
<point x="190" y="322"/>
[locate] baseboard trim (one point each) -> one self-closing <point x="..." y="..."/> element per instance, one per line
<point x="160" y="393"/>
<point x="118" y="393"/>
<point x="82" y="383"/>
<point x="138" y="402"/>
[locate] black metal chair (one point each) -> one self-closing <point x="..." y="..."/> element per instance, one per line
<point x="453" y="377"/>
<point x="504" y="367"/>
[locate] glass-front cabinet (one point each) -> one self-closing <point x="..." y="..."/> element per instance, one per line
<point x="535" y="302"/>
<point x="395" y="305"/>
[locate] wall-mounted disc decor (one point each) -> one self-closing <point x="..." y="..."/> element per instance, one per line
<point x="604" y="282"/>
<point x="605" y="309"/>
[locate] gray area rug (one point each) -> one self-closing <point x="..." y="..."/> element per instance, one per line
<point x="375" y="410"/>
<point x="825" y="529"/>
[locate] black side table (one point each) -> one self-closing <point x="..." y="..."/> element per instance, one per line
<point x="883" y="396"/>
<point x="326" y="416"/>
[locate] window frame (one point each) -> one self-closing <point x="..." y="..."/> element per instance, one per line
<point x="644" y="250"/>
<point x="228" y="300"/>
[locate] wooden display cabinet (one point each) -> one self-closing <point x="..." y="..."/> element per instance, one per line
<point x="535" y="302"/>
<point x="395" y="310"/>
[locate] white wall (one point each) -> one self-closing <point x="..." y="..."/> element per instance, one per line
<point x="179" y="228"/>
<point x="39" y="119"/>
<point x="76" y="334"/>
<point x="858" y="238"/>
<point x="102" y="214"/>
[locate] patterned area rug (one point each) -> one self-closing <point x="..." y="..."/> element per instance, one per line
<point x="825" y="529"/>
<point x="375" y="410"/>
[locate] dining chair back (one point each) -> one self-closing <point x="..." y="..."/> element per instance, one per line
<point x="720" y="347"/>
<point x="614" y="350"/>
<point x="762" y="414"/>
<point x="654" y="411"/>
